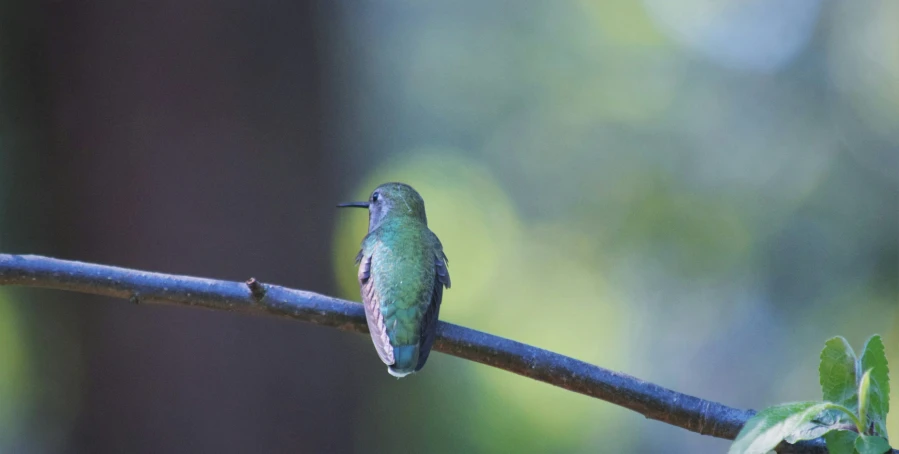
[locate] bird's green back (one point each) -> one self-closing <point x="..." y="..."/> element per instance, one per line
<point x="402" y="251"/>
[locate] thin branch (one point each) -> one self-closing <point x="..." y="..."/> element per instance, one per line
<point x="648" y="399"/>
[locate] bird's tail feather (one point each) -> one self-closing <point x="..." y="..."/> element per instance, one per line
<point x="405" y="360"/>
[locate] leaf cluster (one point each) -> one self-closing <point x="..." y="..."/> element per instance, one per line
<point x="851" y="417"/>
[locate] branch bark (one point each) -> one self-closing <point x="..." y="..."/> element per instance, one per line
<point x="253" y="297"/>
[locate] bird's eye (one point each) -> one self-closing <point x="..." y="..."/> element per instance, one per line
<point x="374" y="197"/>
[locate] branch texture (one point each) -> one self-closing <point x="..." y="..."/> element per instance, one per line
<point x="253" y="297"/>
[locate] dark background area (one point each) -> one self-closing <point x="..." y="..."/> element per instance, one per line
<point x="184" y="137"/>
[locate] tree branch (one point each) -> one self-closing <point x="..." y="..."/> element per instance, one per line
<point x="650" y="400"/>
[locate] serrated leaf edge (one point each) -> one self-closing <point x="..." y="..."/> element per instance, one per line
<point x="886" y="363"/>
<point x="879" y="349"/>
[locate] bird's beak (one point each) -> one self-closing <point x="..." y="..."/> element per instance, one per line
<point x="353" y="205"/>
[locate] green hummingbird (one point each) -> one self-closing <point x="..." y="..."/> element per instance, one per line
<point x="402" y="273"/>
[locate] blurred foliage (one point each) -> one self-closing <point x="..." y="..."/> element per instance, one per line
<point x="653" y="188"/>
<point x="864" y="66"/>
<point x="13" y="375"/>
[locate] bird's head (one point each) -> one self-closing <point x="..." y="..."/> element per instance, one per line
<point x="389" y="200"/>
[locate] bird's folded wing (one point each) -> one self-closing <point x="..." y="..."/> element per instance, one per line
<point x="373" y="315"/>
<point x="429" y="321"/>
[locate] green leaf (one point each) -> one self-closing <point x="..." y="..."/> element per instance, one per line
<point x="772" y="425"/>
<point x="866" y="444"/>
<point x="874" y="359"/>
<point x="834" y="417"/>
<point x="841" y="441"/>
<point x="837" y="373"/>
<point x="864" y="390"/>
<point x="809" y="431"/>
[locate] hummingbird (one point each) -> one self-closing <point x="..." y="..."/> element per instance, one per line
<point x="402" y="273"/>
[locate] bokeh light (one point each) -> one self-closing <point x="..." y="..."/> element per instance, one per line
<point x="761" y="35"/>
<point x="14" y="390"/>
<point x="661" y="178"/>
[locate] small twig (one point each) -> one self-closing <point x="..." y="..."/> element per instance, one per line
<point x="257" y="289"/>
<point x="651" y="400"/>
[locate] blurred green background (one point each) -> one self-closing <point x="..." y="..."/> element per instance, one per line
<point x="696" y="193"/>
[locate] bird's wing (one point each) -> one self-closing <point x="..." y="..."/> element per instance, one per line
<point x="443" y="276"/>
<point x="373" y="315"/>
<point x="429" y="321"/>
